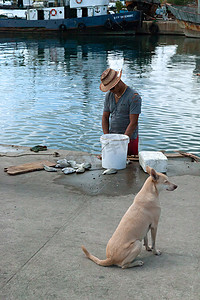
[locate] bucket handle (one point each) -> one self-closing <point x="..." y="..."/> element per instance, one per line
<point x="104" y="146"/>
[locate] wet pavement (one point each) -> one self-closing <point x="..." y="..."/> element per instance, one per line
<point x="93" y="182"/>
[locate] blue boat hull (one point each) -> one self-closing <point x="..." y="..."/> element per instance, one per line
<point x="112" y="23"/>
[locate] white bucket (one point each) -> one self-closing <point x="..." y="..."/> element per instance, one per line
<point x="114" y="150"/>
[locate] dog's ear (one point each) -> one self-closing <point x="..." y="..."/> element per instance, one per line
<point x="148" y="170"/>
<point x="154" y="175"/>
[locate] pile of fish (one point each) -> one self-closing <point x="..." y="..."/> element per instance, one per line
<point x="69" y="166"/>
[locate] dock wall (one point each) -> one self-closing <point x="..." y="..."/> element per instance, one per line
<point x="160" y="27"/>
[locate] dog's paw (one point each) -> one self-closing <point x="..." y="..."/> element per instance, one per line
<point x="148" y="248"/>
<point x="157" y="252"/>
<point x="136" y="263"/>
<point x="140" y="263"/>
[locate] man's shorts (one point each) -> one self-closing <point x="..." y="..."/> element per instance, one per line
<point x="133" y="147"/>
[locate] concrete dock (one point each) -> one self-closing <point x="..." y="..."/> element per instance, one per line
<point x="160" y="27"/>
<point x="46" y="217"/>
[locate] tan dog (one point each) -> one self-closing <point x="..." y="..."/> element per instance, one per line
<point x="126" y="242"/>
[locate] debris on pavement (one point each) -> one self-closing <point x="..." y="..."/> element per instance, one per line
<point x="38" y="148"/>
<point x="28" y="167"/>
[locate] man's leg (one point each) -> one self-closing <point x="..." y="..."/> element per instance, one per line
<point x="133" y="147"/>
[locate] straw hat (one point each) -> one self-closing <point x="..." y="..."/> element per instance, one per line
<point x="109" y="79"/>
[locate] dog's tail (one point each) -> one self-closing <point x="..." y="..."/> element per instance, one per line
<point x="105" y="262"/>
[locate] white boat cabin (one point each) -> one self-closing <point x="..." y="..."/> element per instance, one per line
<point x="57" y="9"/>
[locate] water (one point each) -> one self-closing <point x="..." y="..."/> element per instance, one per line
<point x="50" y="90"/>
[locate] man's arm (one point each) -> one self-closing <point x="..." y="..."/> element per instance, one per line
<point x="132" y="125"/>
<point x="105" y="122"/>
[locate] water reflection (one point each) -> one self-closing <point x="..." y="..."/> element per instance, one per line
<point x="50" y="90"/>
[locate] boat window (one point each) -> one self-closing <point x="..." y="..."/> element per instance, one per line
<point x="40" y="14"/>
<point x="70" y="12"/>
<point x="19" y="3"/>
<point x="84" y="12"/>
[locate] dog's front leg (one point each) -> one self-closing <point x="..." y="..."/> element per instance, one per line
<point x="146" y="243"/>
<point x="153" y="238"/>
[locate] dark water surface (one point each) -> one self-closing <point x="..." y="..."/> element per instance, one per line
<point x="50" y="90"/>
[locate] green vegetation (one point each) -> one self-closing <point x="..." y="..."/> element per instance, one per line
<point x="119" y="6"/>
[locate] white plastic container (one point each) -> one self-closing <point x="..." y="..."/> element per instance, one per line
<point x="154" y="159"/>
<point x="114" y="150"/>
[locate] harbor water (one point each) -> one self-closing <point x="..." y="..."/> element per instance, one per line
<point x="50" y="90"/>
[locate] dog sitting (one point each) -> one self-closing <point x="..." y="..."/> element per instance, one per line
<point x="142" y="216"/>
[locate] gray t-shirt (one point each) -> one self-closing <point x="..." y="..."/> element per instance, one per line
<point x="129" y="103"/>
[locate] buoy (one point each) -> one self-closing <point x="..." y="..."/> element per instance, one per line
<point x="108" y="24"/>
<point x="153" y="28"/>
<point x="81" y="26"/>
<point x="53" y="12"/>
<point x="62" y="27"/>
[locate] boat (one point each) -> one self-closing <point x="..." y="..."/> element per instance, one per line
<point x="188" y="17"/>
<point x="147" y="7"/>
<point x="73" y="16"/>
